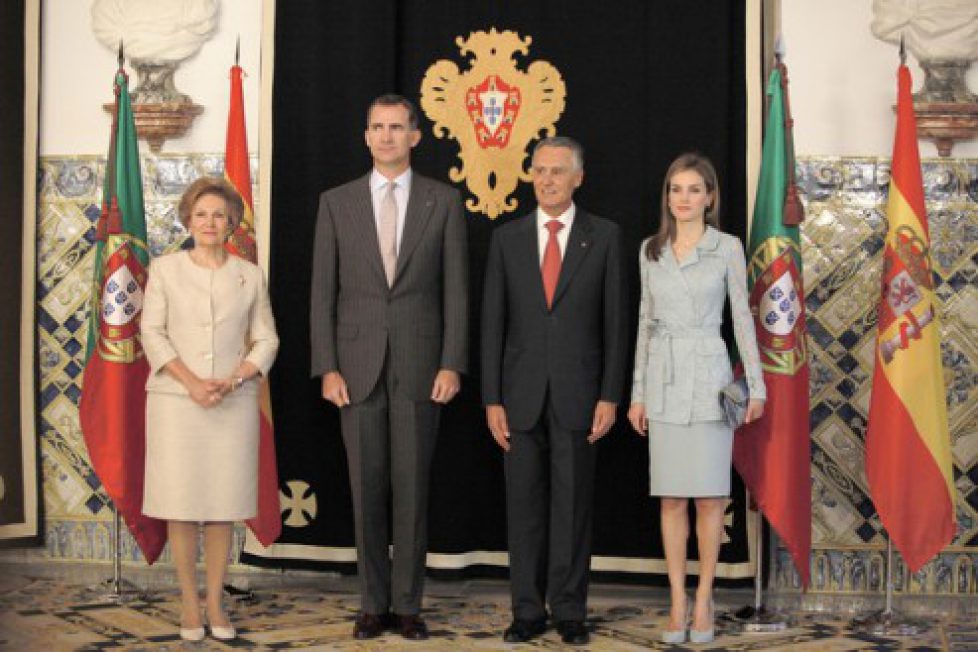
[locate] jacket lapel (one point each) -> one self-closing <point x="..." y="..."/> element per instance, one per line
<point x="421" y="203"/>
<point x="365" y="225"/>
<point x="579" y="243"/>
<point x="528" y="243"/>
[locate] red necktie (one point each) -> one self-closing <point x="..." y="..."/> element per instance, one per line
<point x="551" y="261"/>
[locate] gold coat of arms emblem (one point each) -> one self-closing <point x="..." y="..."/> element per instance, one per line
<point x="493" y="110"/>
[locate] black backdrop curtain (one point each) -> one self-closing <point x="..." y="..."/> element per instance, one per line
<point x="645" y="81"/>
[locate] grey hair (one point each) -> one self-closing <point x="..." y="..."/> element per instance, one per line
<point x="577" y="151"/>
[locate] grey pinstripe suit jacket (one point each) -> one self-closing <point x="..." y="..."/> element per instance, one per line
<point x="422" y="319"/>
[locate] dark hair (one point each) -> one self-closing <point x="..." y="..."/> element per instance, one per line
<point x="218" y="186"/>
<point x="577" y="151"/>
<point x="667" y="221"/>
<point x="392" y="99"/>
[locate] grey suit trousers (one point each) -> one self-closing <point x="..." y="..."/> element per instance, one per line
<point x="389" y="441"/>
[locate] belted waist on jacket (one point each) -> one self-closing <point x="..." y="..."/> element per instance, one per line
<point x="666" y="333"/>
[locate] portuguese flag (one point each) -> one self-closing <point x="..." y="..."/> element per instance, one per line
<point x="772" y="454"/>
<point x="267" y="523"/>
<point x="112" y="410"/>
<point x="908" y="446"/>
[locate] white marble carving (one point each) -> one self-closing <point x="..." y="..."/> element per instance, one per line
<point x="151" y="30"/>
<point x="933" y="30"/>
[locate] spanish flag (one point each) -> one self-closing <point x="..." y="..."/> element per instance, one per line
<point x="267" y="523"/>
<point x="908" y="447"/>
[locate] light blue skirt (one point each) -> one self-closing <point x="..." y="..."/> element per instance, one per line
<point x="690" y="460"/>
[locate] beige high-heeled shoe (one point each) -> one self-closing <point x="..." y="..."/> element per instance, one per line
<point x="192" y="633"/>
<point x="678" y="636"/>
<point x="223" y="632"/>
<point x="704" y="635"/>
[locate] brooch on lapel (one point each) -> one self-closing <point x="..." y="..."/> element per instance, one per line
<point x="241" y="280"/>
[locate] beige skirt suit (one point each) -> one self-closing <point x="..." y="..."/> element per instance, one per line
<point x="202" y="463"/>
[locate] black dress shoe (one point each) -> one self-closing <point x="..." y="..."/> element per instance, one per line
<point x="521" y="631"/>
<point x="411" y="627"/>
<point x="573" y="632"/>
<point x="369" y="626"/>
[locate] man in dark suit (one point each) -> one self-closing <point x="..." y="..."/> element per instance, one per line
<point x="388" y="328"/>
<point x="553" y="354"/>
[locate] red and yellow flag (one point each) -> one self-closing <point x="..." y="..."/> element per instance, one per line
<point x="908" y="446"/>
<point x="267" y="524"/>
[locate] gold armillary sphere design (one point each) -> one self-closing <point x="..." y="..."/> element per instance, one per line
<point x="493" y="110"/>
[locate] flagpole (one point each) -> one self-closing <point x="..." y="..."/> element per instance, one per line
<point x="120" y="590"/>
<point x="888" y="621"/>
<point x="760" y="619"/>
<point x="116" y="552"/>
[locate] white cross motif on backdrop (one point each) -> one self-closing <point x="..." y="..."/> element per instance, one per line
<point x="298" y="503"/>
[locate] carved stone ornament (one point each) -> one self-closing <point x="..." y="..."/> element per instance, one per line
<point x="943" y="36"/>
<point x="493" y="110"/>
<point x="156" y="36"/>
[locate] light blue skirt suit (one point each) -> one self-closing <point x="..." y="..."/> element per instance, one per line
<point x="681" y="363"/>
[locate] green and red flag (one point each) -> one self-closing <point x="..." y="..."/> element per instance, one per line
<point x="908" y="445"/>
<point x="772" y="454"/>
<point x="112" y="409"/>
<point x="267" y="523"/>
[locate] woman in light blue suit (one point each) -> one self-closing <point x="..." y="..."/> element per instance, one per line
<point x="681" y="363"/>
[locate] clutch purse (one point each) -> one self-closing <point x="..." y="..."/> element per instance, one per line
<point x="733" y="401"/>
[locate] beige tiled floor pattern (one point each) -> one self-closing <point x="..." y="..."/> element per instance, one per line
<point x="61" y="608"/>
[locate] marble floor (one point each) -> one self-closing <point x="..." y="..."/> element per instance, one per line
<point x="56" y="607"/>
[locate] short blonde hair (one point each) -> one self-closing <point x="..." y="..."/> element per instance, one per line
<point x="218" y="186"/>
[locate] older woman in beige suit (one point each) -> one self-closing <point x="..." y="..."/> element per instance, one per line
<point x="209" y="336"/>
<point x="688" y="268"/>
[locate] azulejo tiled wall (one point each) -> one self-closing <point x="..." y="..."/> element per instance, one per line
<point x="77" y="515"/>
<point x="842" y="240"/>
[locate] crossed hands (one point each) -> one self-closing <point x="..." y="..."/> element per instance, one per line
<point x="446" y="386"/>
<point x="604" y="418"/>
<point x="209" y="392"/>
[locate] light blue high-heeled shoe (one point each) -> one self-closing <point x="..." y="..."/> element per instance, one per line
<point x="704" y="635"/>
<point x="678" y="636"/>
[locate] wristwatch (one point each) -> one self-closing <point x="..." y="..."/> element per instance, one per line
<point x="236" y="383"/>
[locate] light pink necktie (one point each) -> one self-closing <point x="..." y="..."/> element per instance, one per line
<point x="387" y="232"/>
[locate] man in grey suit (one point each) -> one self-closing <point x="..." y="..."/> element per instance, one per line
<point x="553" y="355"/>
<point x="389" y="311"/>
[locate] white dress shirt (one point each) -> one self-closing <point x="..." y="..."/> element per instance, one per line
<point x="402" y="192"/>
<point x="566" y="218"/>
